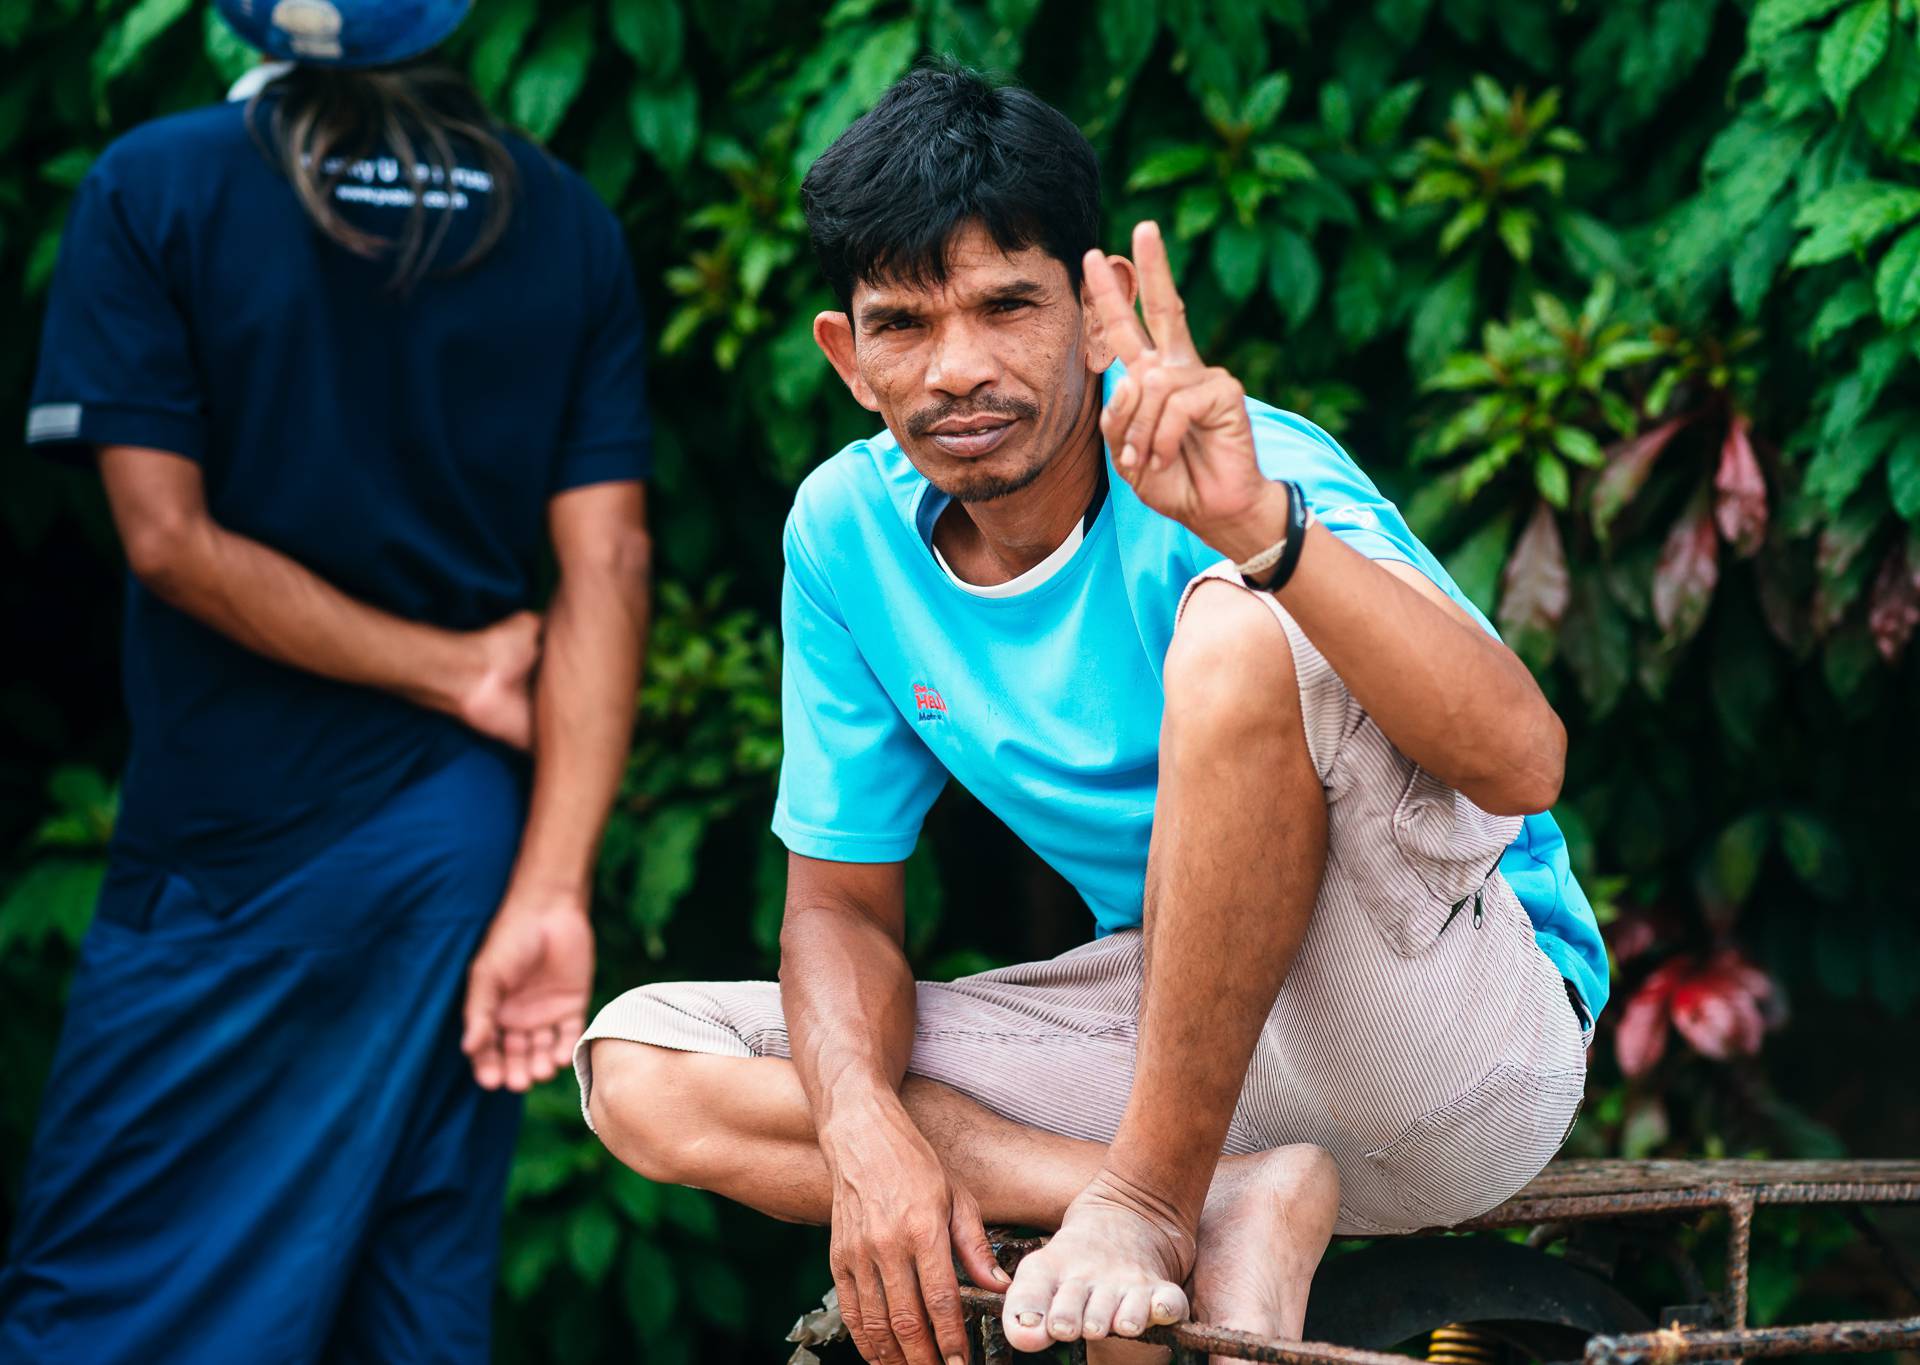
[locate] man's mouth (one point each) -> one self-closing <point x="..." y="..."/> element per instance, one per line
<point x="971" y="436"/>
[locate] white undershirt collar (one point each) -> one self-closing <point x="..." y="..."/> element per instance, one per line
<point x="1025" y="582"/>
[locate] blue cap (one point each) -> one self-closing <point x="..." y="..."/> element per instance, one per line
<point x="343" y="32"/>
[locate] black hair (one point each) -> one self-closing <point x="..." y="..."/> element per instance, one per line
<point x="943" y="148"/>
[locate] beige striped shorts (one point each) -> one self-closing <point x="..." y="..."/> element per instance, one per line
<point x="1422" y="1038"/>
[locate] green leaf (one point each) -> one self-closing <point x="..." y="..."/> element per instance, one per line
<point x="1550" y="477"/>
<point x="1890" y="98"/>
<point x="508" y="24"/>
<point x="69" y="168"/>
<point x="1814" y="852"/>
<point x="1198" y="208"/>
<point x="1169" y="164"/>
<point x="1773" y="19"/>
<point x="1264" y="104"/>
<point x="1444" y="318"/>
<point x="1850" y="216"/>
<point x="1757" y="259"/>
<point x="1276" y="161"/>
<point x="1293" y="275"/>
<point x="1363" y="291"/>
<point x="134" y="34"/>
<point x="1237" y="252"/>
<point x="1897" y="282"/>
<point x="1841" y="465"/>
<point x="226" y="53"/>
<point x="1903" y="475"/>
<point x="1578" y="446"/>
<point x="666" y="121"/>
<point x="1853" y="47"/>
<point x="551" y="78"/>
<point x="1843" y="307"/>
<point x="669" y="842"/>
<point x="1516" y="230"/>
<point x="650" y="32"/>
<point x="1476" y="562"/>
<point x="592" y="1239"/>
<point x="649" y="1288"/>
<point x="1390" y="112"/>
<point x="1336" y="111"/>
<point x="1127" y="31"/>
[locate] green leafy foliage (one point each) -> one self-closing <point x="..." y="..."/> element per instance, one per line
<point x="1621" y="302"/>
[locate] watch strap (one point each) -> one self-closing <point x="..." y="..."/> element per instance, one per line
<point x="1269" y="570"/>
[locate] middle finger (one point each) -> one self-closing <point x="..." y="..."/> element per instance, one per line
<point x="1165" y="311"/>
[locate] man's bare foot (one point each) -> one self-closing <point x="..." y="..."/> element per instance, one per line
<point x="1267" y="1223"/>
<point x="1114" y="1267"/>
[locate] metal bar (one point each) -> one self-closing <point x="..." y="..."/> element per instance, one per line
<point x="1219" y="1341"/>
<point x="1739" y="1248"/>
<point x="1672" y="1345"/>
<point x="1524" y="1211"/>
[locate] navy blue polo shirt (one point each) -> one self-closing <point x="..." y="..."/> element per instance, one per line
<point x="404" y="448"/>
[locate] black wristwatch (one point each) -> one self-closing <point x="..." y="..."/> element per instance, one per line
<point x="1269" y="570"/>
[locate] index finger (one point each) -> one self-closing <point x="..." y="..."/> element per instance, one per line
<point x="1159" y="299"/>
<point x="1111" y="306"/>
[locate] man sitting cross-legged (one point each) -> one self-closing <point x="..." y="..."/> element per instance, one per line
<point x="1183" y="647"/>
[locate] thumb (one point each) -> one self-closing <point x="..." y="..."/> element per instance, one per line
<point x="970" y="1244"/>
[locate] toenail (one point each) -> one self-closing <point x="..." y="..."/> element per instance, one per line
<point x="1062" y="1325"/>
<point x="1027" y="1319"/>
<point x="1129" y="1328"/>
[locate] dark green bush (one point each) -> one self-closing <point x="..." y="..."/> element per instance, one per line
<point x="1620" y="300"/>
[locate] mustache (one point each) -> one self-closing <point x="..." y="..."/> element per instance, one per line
<point x="925" y="420"/>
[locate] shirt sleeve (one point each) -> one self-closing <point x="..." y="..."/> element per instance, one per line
<point x="855" y="781"/>
<point x="608" y="435"/>
<point x="116" y="356"/>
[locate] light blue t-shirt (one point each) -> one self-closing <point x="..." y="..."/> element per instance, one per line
<point x="1046" y="704"/>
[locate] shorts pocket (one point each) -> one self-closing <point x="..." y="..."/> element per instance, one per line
<point x="1449" y="841"/>
<point x="1475" y="1153"/>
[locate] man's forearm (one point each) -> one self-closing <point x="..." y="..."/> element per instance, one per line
<point x="595" y="641"/>
<point x="848" y="994"/>
<point x="1450" y="697"/>
<point x="274" y="606"/>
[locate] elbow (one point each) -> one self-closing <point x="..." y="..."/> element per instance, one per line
<point x="159" y="549"/>
<point x="625" y="558"/>
<point x="1531" y="776"/>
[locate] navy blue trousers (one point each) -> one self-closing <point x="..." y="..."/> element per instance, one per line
<point x="259" y="1139"/>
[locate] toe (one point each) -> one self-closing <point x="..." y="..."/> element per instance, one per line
<point x="1130" y="1318"/>
<point x="1069" y="1305"/>
<point x="1096" y="1319"/>
<point x="1169" y="1303"/>
<point x="1028" y="1298"/>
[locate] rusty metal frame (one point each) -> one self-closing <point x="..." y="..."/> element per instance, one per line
<point x="1590" y="1191"/>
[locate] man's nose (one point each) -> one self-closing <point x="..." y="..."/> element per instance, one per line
<point x="961" y="361"/>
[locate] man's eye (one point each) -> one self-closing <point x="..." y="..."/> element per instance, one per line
<point x="898" y="325"/>
<point x="1011" y="305"/>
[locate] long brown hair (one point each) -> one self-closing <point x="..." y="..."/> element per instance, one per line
<point x="325" y="121"/>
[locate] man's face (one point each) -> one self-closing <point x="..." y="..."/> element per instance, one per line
<point x="980" y="378"/>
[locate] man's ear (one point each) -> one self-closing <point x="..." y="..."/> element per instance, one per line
<point x="833" y="333"/>
<point x="1100" y="351"/>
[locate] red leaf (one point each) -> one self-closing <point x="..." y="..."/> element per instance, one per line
<point x="1688" y="571"/>
<point x="1719" y="1007"/>
<point x="1641" y="1035"/>
<point x="1628" y="464"/>
<point x="1534" y="589"/>
<point x="1741" y="506"/>
<point x="1893" y="608"/>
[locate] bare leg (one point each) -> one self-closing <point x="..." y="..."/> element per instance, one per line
<point x="1239" y="844"/>
<point x="741" y="1127"/>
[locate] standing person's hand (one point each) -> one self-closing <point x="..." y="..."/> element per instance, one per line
<point x="527" y="991"/>
<point x="497" y="698"/>
<point x="899" y="1220"/>
<point x="1178" y="427"/>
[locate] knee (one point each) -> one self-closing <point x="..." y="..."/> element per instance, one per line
<point x="639" y="1104"/>
<point x="1229" y="675"/>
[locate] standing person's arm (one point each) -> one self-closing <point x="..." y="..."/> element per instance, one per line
<point x="898" y="1217"/>
<point x="528" y="986"/>
<point x="274" y="606"/>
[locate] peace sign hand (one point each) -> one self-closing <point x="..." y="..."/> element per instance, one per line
<point x="1178" y="428"/>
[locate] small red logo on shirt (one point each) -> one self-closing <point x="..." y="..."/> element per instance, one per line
<point x="928" y="704"/>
